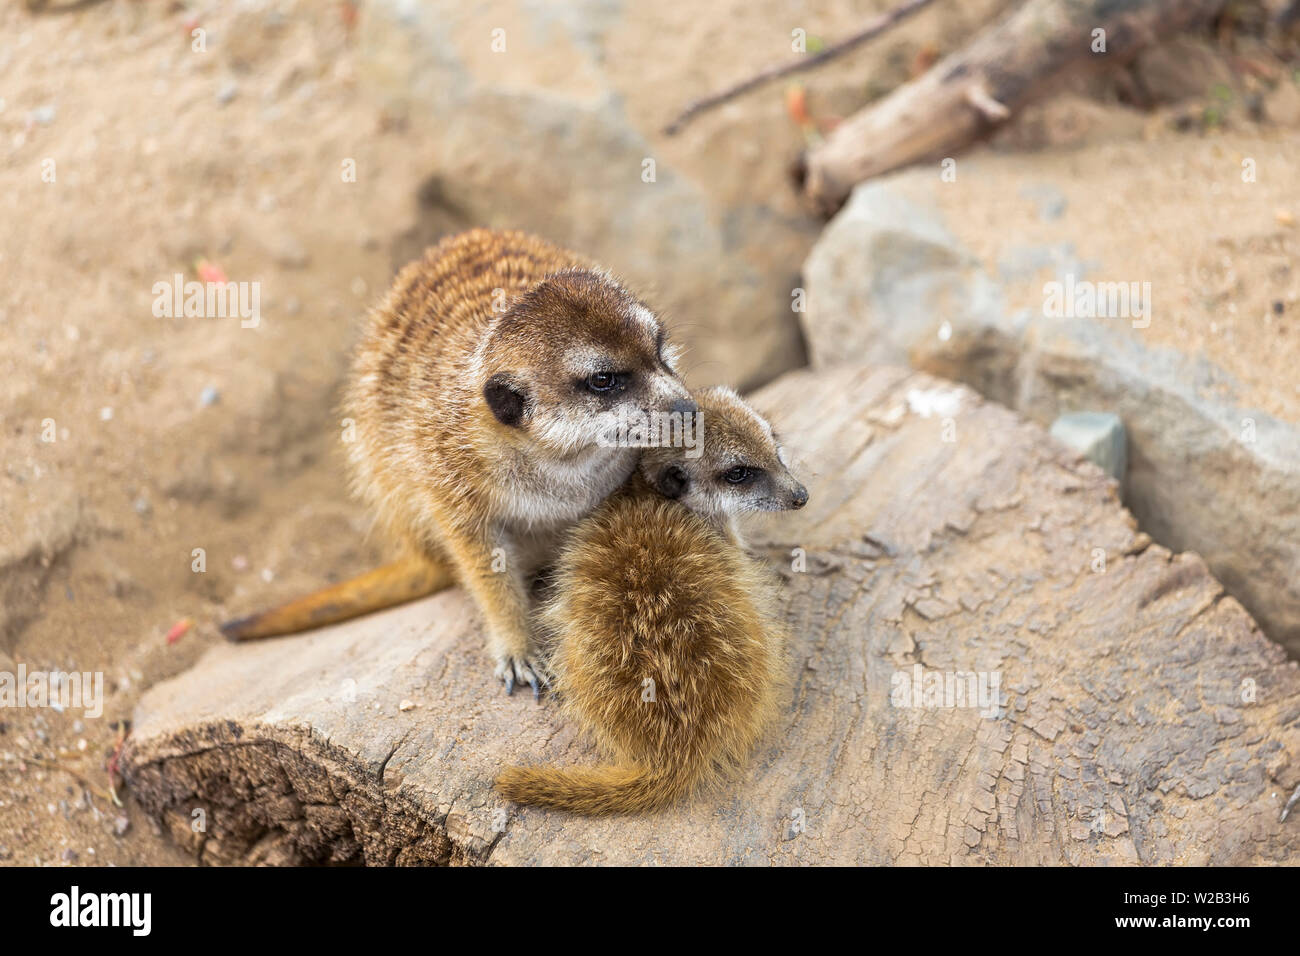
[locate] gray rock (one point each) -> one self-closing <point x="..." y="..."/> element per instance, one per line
<point x="888" y="283"/>
<point x="1098" y="436"/>
<point x="885" y="276"/>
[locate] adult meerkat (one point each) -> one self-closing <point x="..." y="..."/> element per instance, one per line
<point x="667" y="645"/>
<point x="480" y="392"/>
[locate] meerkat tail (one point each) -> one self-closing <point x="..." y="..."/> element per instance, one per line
<point x="613" y="788"/>
<point x="395" y="583"/>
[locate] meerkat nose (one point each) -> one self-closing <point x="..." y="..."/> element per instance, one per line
<point x="684" y="406"/>
<point x="799" y="497"/>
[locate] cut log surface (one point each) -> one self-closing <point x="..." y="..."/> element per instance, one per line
<point x="1143" y="717"/>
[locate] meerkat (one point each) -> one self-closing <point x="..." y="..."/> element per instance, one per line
<point x="666" y="644"/>
<point x="481" y="390"/>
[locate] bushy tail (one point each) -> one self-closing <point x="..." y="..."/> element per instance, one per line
<point x="613" y="788"/>
<point x="396" y="583"/>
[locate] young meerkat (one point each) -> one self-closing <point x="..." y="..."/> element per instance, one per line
<point x="480" y="392"/>
<point x="666" y="644"/>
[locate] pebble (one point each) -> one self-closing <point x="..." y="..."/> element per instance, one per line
<point x="70" y="855"/>
<point x="1098" y="436"/>
<point x="209" y="396"/>
<point x="106" y="413"/>
<point x="227" y="92"/>
<point x="406" y="705"/>
<point x="5" y="852"/>
<point x="142" y="506"/>
<point x="121" y="824"/>
<point x="43" y="115"/>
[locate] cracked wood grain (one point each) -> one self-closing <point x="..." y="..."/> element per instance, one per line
<point x="1143" y="717"/>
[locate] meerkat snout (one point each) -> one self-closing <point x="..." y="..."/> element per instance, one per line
<point x="575" y="359"/>
<point x="798" y="496"/>
<point x="683" y="406"/>
<point x="738" y="464"/>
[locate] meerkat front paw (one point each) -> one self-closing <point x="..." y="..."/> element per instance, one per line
<point x="526" y="668"/>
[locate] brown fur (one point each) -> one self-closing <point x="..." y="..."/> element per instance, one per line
<point x="645" y="589"/>
<point x="476" y="442"/>
<point x="449" y="475"/>
<point x="399" y="581"/>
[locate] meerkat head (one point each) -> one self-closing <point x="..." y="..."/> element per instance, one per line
<point x="573" y="356"/>
<point x="741" y="467"/>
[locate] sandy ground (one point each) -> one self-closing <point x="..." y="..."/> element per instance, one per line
<point x="171" y="433"/>
<point x="126" y="156"/>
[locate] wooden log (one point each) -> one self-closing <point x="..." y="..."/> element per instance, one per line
<point x="968" y="93"/>
<point x="1142" y="716"/>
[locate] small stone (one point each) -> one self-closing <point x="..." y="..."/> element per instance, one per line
<point x="106" y="413"/>
<point x="1278" y="307"/>
<point x="1098" y="436"/>
<point x="121" y="824"/>
<point x="6" y="853"/>
<point x="1284" y="217"/>
<point x="142" y="506"/>
<point x="209" y="396"/>
<point x="43" y="115"/>
<point x="227" y="92"/>
<point x="239" y="562"/>
<point x="406" y="705"/>
<point x="70" y="855"/>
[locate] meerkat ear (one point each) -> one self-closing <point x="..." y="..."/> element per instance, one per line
<point x="506" y="398"/>
<point x="673" y="482"/>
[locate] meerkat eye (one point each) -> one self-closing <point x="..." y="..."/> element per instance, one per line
<point x="603" y="382"/>
<point x="739" y="475"/>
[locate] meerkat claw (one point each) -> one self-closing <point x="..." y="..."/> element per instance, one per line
<point x="520" y="670"/>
